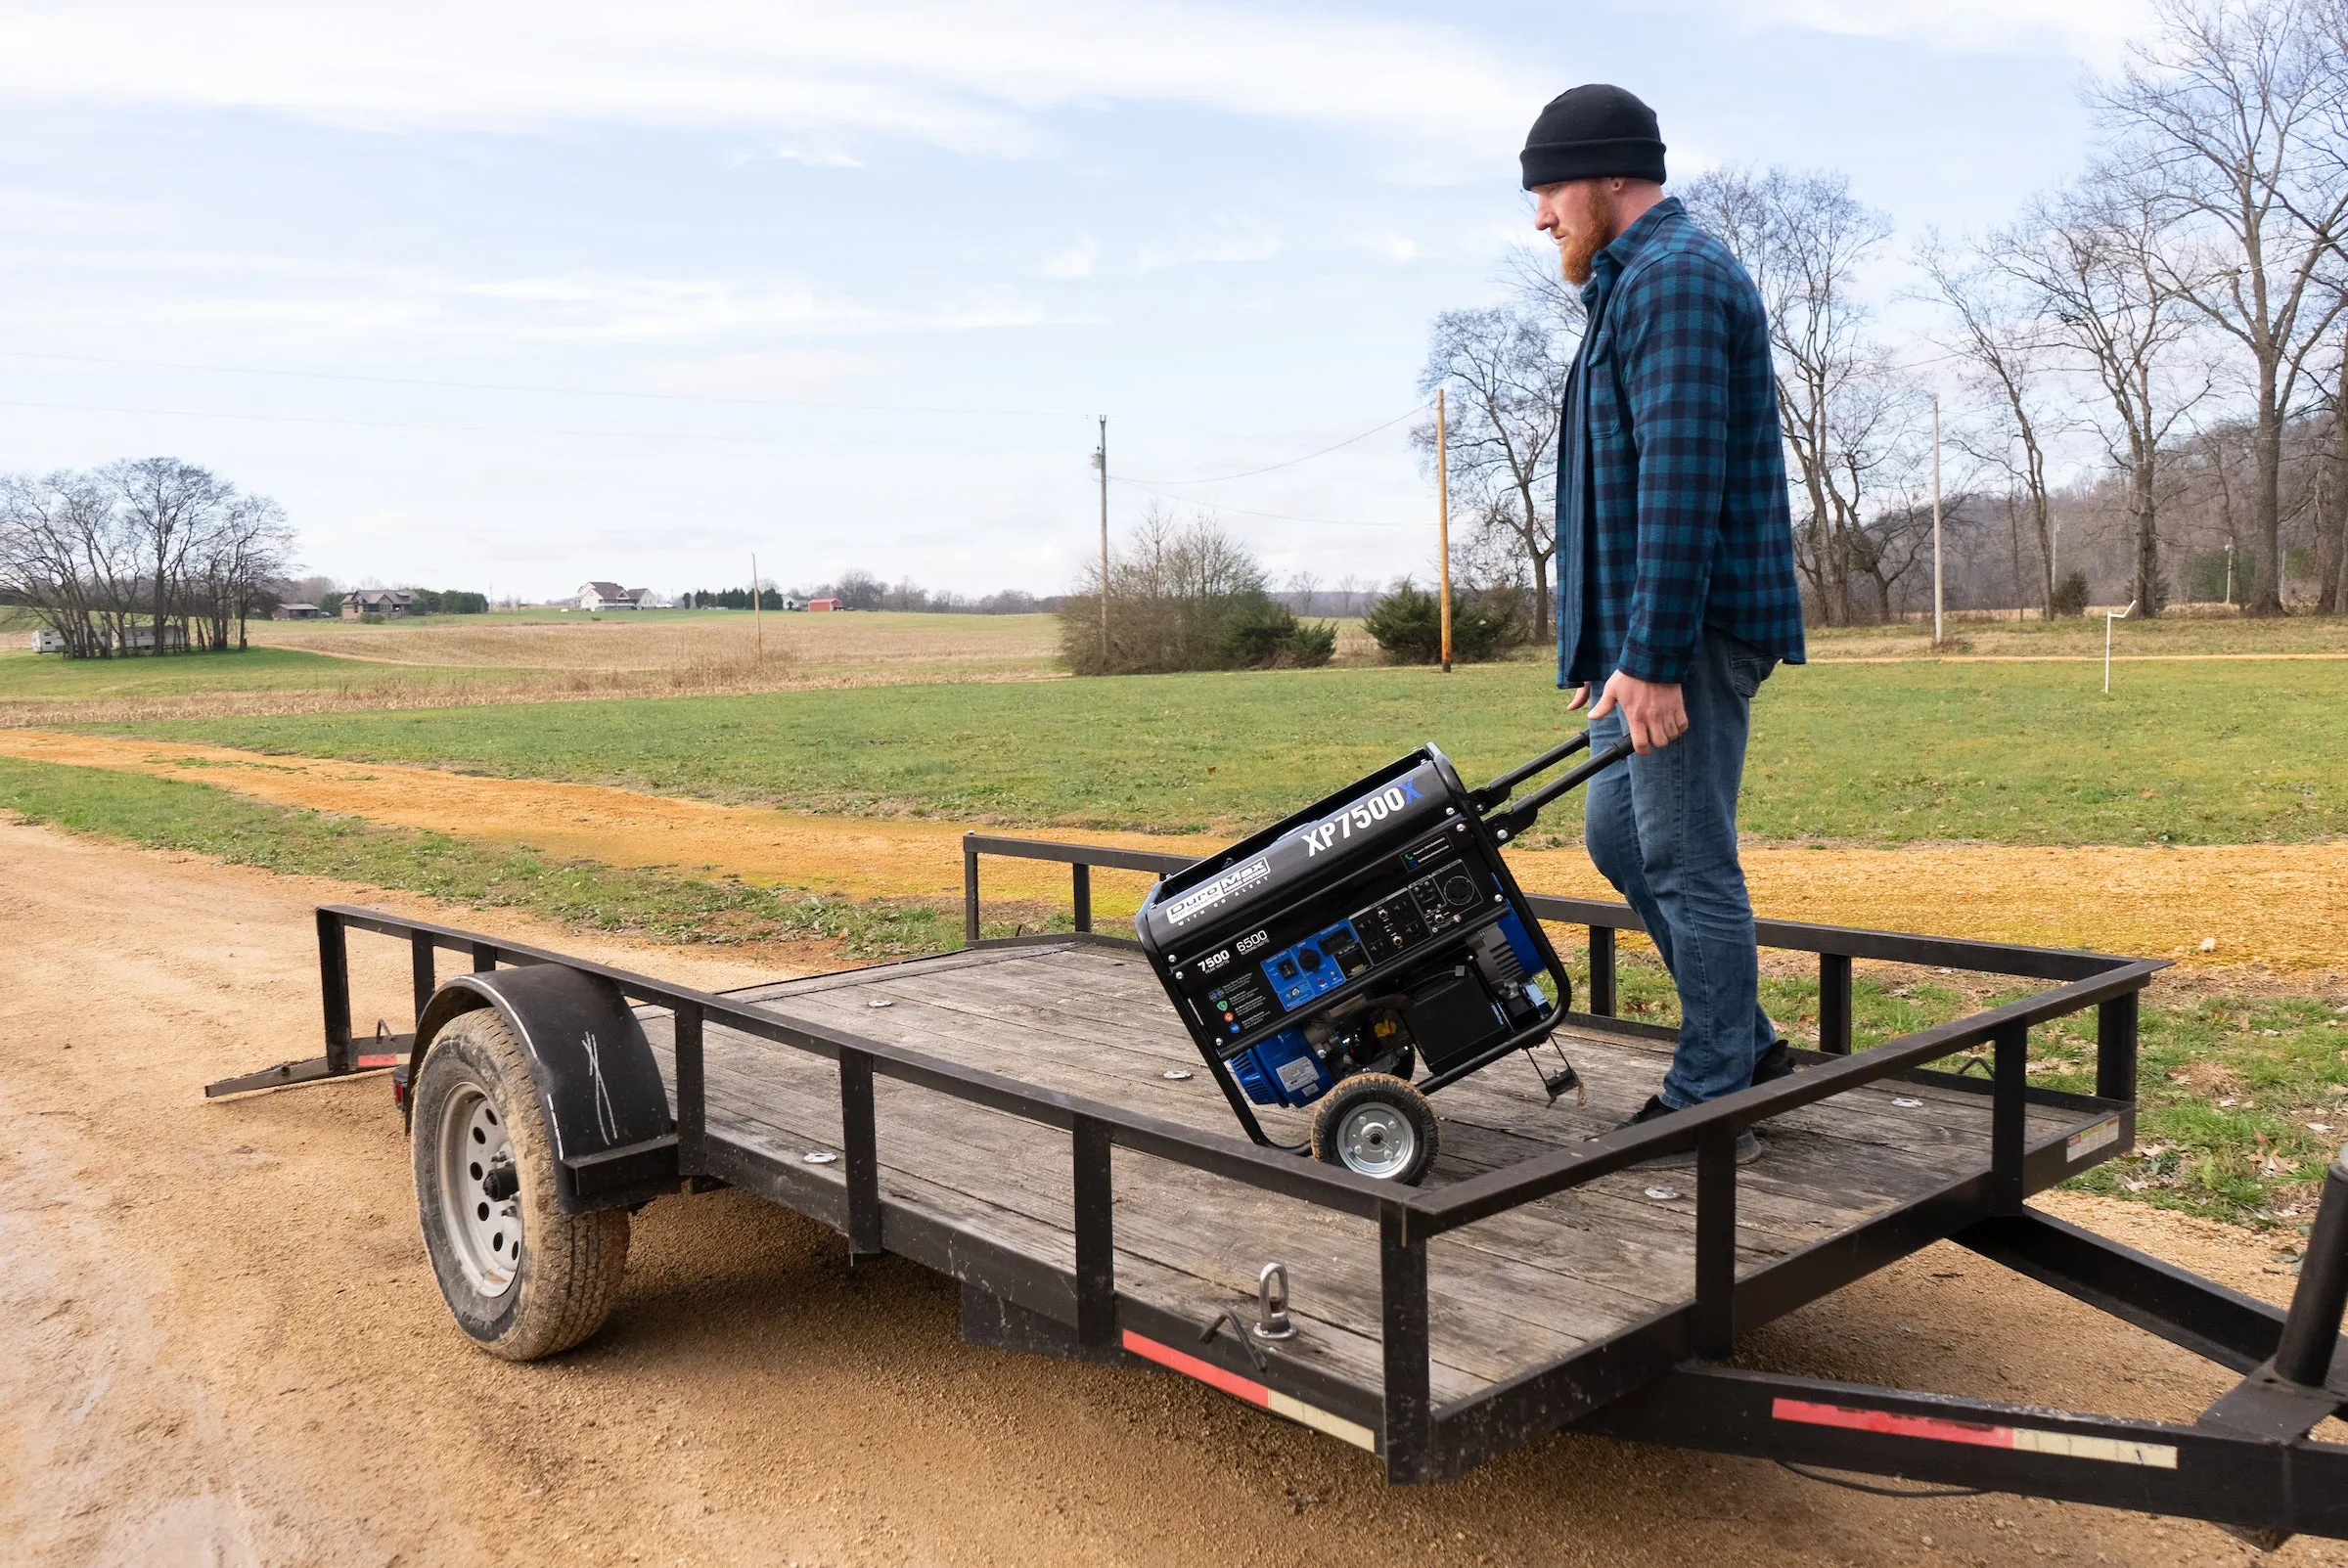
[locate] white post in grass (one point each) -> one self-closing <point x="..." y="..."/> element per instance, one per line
<point x="1936" y="594"/>
<point x="2108" y="617"/>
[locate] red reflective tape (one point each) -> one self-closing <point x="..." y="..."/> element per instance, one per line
<point x="382" y="1061"/>
<point x="1888" y="1424"/>
<point x="1205" y="1372"/>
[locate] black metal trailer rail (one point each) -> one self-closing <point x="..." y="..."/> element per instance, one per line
<point x="2248" y="1462"/>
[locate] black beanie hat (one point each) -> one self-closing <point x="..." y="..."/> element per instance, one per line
<point x="1593" y="132"/>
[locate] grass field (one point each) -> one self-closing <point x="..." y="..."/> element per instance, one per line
<point x="2195" y="630"/>
<point x="919" y="647"/>
<point x="2018" y="754"/>
<point x="167" y="814"/>
<point x="2241" y="1101"/>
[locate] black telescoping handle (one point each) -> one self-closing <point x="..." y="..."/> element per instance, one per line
<point x="1498" y="790"/>
<point x="1507" y="825"/>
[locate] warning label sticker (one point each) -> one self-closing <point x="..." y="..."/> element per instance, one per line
<point x="2096" y="1136"/>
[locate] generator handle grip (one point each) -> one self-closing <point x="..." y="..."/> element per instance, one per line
<point x="1493" y="793"/>
<point x="1507" y="825"/>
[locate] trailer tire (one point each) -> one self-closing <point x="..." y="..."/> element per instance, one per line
<point x="520" y="1277"/>
<point x="1376" y="1124"/>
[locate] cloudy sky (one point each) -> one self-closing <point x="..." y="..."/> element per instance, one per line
<point x="509" y="296"/>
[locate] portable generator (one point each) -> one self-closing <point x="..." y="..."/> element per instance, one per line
<point x="1373" y="935"/>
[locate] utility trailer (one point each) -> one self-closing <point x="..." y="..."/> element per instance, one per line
<point x="1025" y="1115"/>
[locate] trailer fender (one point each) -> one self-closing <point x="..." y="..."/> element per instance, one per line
<point x="615" y="1141"/>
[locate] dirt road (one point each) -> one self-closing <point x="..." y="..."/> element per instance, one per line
<point x="2284" y="906"/>
<point x="221" y="1343"/>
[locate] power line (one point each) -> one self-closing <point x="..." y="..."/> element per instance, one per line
<point x="1251" y="473"/>
<point x="503" y="387"/>
<point x="1276" y="517"/>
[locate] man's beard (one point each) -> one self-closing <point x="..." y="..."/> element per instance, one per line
<point x="1579" y="242"/>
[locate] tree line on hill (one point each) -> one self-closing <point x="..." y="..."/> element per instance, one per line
<point x="2147" y="359"/>
<point x="861" y="590"/>
<point x="142" y="555"/>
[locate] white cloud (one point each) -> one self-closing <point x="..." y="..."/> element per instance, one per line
<point x="1228" y="241"/>
<point x="826" y="159"/>
<point x="1076" y="261"/>
<point x="967" y="75"/>
<point x="245" y="293"/>
<point x="2096" y="29"/>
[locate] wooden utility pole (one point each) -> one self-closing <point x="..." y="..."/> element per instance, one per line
<point x="1936" y="593"/>
<point x="1101" y="462"/>
<point x="757" y="626"/>
<point x="1443" y="526"/>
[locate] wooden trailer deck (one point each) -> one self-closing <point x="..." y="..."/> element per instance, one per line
<point x="1846" y="1183"/>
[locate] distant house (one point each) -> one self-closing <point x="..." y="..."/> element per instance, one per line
<point x="610" y="596"/>
<point x="384" y="602"/>
<point x="297" y="612"/>
<point x="46" y="640"/>
<point x="823" y="604"/>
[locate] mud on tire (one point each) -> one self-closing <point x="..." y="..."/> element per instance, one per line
<point x="520" y="1277"/>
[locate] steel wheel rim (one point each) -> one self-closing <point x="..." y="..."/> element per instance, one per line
<point x="484" y="1231"/>
<point x="1376" y="1140"/>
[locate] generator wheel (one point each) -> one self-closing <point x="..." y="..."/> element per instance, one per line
<point x="520" y="1277"/>
<point x="1374" y="1124"/>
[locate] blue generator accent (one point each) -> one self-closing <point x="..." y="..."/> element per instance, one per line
<point x="1520" y="943"/>
<point x="1316" y="964"/>
<point x="1282" y="1069"/>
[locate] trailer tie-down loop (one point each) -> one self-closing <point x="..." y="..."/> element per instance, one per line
<point x="1272" y="1321"/>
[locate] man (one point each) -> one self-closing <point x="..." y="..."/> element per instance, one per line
<point x="1676" y="592"/>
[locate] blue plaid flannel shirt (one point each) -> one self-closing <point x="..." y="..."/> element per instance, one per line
<point x="1672" y="509"/>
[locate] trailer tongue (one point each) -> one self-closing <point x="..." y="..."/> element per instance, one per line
<point x="1024" y="1116"/>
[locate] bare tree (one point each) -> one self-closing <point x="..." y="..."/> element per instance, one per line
<point x="89" y="554"/>
<point x="1175" y="588"/>
<point x="1353" y="595"/>
<point x="1804" y="236"/>
<point x="2331" y="503"/>
<point x="247" y="549"/>
<point x="2234" y="114"/>
<point x="66" y="555"/>
<point x="172" y="507"/>
<point x="1998" y="339"/>
<point x="2101" y="265"/>
<point x="1505" y="370"/>
<point x="1540" y="285"/>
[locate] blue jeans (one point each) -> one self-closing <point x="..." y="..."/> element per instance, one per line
<point x="1662" y="829"/>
